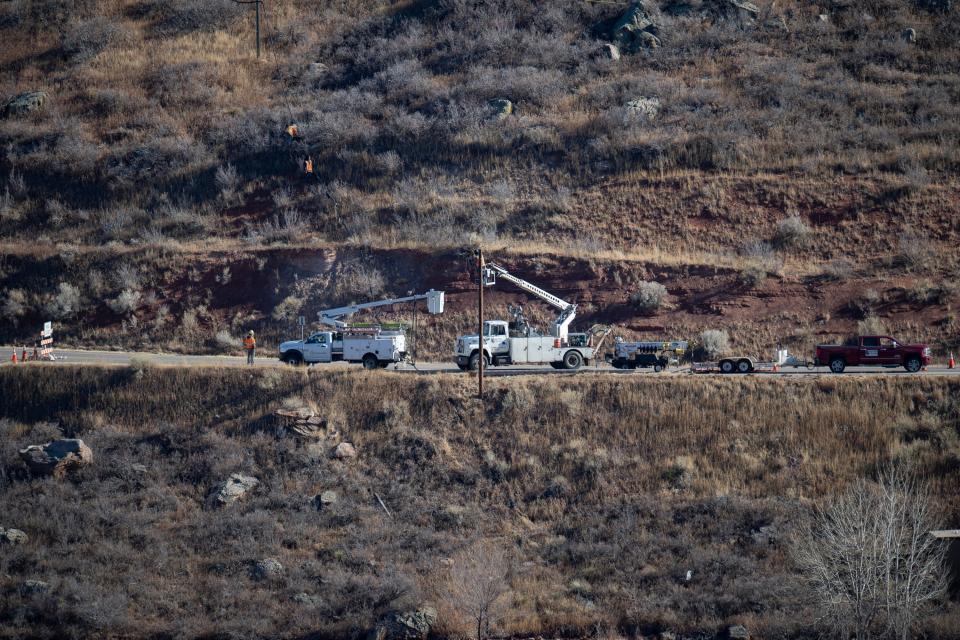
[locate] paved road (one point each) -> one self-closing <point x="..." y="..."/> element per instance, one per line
<point x="124" y="358"/>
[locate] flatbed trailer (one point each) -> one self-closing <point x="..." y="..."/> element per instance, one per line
<point x="748" y="364"/>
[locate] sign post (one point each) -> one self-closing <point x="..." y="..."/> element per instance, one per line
<point x="46" y="341"/>
<point x="301" y="322"/>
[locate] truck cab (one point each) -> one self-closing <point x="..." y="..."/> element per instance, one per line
<point x="322" y="346"/>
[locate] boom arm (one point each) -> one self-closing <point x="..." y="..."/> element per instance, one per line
<point x="568" y="311"/>
<point x="332" y="316"/>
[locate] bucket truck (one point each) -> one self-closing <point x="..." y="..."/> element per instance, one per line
<point x="517" y="342"/>
<point x="372" y="344"/>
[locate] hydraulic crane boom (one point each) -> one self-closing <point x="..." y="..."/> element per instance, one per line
<point x="332" y="316"/>
<point x="568" y="311"/>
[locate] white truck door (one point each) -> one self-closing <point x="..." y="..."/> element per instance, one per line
<point x="317" y="348"/>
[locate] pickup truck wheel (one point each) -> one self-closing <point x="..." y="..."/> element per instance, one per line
<point x="913" y="365"/>
<point x="572" y="360"/>
<point x="727" y="366"/>
<point x="294" y="359"/>
<point x="837" y="365"/>
<point x="370" y="361"/>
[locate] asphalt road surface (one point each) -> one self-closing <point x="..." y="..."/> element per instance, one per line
<point x="124" y="358"/>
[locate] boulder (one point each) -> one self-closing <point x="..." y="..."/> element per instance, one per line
<point x="24" y="103"/>
<point x="266" y="569"/>
<point x="344" y="451"/>
<point x="647" y="107"/>
<point x="765" y="535"/>
<point x="34" y="587"/>
<point x="325" y="499"/>
<point x="910" y="34"/>
<point x="409" y="625"/>
<point x="57" y="457"/>
<point x="501" y="108"/>
<point x="608" y="51"/>
<point x="635" y="29"/>
<point x="738" y="632"/>
<point x="12" y="536"/>
<point x="307" y="600"/>
<point x="233" y="488"/>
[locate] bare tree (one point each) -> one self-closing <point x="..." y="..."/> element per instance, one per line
<point x="869" y="559"/>
<point x="477" y="582"/>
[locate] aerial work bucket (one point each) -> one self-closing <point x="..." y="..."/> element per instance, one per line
<point x="435" y="301"/>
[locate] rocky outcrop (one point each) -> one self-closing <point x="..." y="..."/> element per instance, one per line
<point x="24" y="103"/>
<point x="409" y="625"/>
<point x="501" y="108"/>
<point x="266" y="569"/>
<point x="232" y="489"/>
<point x="646" y="107"/>
<point x="635" y="29"/>
<point x="58" y="457"/>
<point x="344" y="451"/>
<point x="12" y="536"/>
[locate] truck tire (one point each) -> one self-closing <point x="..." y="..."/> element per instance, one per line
<point x="572" y="360"/>
<point x="475" y="361"/>
<point x="727" y="366"/>
<point x="370" y="362"/>
<point x="462" y="367"/>
<point x="293" y="358"/>
<point x="657" y="368"/>
<point x="744" y="366"/>
<point x="913" y="364"/>
<point x="837" y="365"/>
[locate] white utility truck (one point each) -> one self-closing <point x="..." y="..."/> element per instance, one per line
<point x="372" y="344"/>
<point x="518" y="343"/>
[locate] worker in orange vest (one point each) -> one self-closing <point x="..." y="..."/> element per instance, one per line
<point x="250" y="344"/>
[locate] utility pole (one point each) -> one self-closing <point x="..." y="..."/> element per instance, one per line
<point x="257" y="3"/>
<point x="480" y="322"/>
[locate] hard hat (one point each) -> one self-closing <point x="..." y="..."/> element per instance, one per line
<point x="250" y="333"/>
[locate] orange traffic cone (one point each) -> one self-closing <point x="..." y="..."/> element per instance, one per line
<point x="13" y="358"/>
<point x="952" y="364"/>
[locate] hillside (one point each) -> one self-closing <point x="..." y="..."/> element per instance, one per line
<point x="785" y="173"/>
<point x="603" y="494"/>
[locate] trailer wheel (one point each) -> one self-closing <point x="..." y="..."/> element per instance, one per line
<point x="837" y="365"/>
<point x="913" y="365"/>
<point x="572" y="360"/>
<point x="370" y="362"/>
<point x="744" y="366"/>
<point x="726" y="366"/>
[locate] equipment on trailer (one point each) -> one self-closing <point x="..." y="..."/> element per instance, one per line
<point x="517" y="342"/>
<point x="645" y="354"/>
<point x="372" y="344"/>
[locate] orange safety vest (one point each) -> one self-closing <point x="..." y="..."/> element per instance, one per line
<point x="249" y="343"/>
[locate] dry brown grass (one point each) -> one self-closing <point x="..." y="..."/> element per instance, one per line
<point x="604" y="490"/>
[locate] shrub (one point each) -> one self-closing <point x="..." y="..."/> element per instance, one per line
<point x="83" y="40"/>
<point x="839" y="270"/>
<point x="752" y="275"/>
<point x="126" y="302"/>
<point x="792" y="233"/>
<point x="715" y="342"/>
<point x="288" y="309"/>
<point x="227" y="340"/>
<point x="871" y="326"/>
<point x="915" y="250"/>
<point x="14" y="306"/>
<point x="649" y="297"/>
<point x="227" y="181"/>
<point x="66" y="302"/>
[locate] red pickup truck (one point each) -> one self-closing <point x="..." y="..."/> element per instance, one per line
<point x="881" y="351"/>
